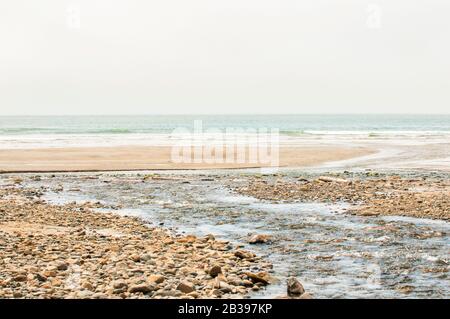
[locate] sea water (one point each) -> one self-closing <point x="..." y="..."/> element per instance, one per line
<point x="63" y="131"/>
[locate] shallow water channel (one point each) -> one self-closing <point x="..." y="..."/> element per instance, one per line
<point x="335" y="255"/>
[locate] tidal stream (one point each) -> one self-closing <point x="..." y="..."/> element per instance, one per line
<point x="334" y="254"/>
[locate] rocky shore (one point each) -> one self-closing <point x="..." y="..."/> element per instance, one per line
<point x="372" y="195"/>
<point x="71" y="251"/>
<point x="91" y="250"/>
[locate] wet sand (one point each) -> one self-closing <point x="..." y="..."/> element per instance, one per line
<point x="151" y="158"/>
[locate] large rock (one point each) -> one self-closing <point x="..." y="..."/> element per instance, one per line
<point x="294" y="287"/>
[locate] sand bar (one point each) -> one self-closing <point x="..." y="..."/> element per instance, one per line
<point x="151" y="158"/>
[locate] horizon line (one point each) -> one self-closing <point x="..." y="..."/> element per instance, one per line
<point x="212" y="114"/>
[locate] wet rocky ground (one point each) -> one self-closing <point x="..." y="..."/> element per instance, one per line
<point x="372" y="194"/>
<point x="343" y="236"/>
<point x="71" y="251"/>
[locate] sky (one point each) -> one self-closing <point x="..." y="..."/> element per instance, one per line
<point x="236" y="56"/>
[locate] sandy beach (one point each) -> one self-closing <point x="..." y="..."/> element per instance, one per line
<point x="152" y="158"/>
<point x="129" y="222"/>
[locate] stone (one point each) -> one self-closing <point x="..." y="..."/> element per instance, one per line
<point x="187" y="239"/>
<point x="144" y="288"/>
<point x="294" y="287"/>
<point x="62" y="266"/>
<point x="243" y="254"/>
<point x="40" y="277"/>
<point x="259" y="239"/>
<point x="215" y="270"/>
<point x="119" y="286"/>
<point x="135" y="258"/>
<point x="261" y="277"/>
<point x="157" y="279"/>
<point x="225" y="288"/>
<point x="185" y="287"/>
<point x="17" y="294"/>
<point x="87" y="285"/>
<point x="20" y="278"/>
<point x="332" y="179"/>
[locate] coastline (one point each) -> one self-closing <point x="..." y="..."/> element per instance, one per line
<point x="372" y="196"/>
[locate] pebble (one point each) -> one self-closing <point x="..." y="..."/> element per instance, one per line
<point x="215" y="270"/>
<point x="144" y="288"/>
<point x="185" y="287"/>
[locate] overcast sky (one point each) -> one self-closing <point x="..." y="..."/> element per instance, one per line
<point x="227" y="56"/>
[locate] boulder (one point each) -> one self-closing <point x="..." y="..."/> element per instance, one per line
<point x="294" y="287"/>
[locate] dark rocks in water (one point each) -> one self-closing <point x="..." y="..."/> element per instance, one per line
<point x="294" y="287"/>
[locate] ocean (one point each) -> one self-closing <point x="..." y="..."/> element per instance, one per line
<point x="58" y="131"/>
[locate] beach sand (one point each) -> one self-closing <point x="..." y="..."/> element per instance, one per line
<point x="151" y="158"/>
